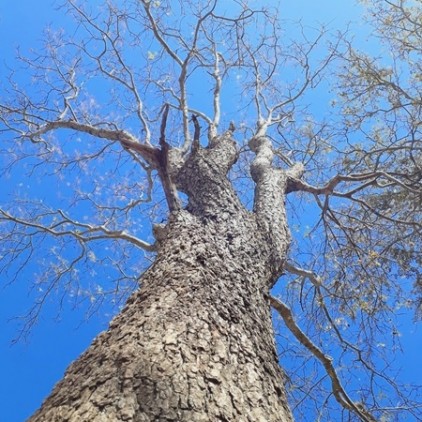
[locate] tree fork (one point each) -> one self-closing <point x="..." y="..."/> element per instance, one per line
<point x="195" y="342"/>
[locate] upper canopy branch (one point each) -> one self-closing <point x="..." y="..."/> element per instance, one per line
<point x="182" y="63"/>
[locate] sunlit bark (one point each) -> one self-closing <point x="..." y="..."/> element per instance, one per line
<point x="195" y="343"/>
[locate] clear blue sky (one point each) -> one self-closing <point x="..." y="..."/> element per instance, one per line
<point x="28" y="370"/>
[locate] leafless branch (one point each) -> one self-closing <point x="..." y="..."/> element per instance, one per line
<point x="327" y="361"/>
<point x="82" y="232"/>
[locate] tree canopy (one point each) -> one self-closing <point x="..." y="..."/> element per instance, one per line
<point x="92" y="114"/>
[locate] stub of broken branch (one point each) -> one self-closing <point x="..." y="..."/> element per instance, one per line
<point x="164" y="124"/>
<point x="159" y="231"/>
<point x="164" y="172"/>
<point x="196" y="134"/>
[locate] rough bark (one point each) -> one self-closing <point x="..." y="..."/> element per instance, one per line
<point x="195" y="343"/>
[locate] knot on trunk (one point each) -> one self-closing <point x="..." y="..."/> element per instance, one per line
<point x="159" y="231"/>
<point x="258" y="142"/>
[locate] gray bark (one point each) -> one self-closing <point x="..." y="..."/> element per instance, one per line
<point x="195" y="342"/>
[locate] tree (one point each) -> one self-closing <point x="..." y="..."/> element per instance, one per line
<point x="136" y="107"/>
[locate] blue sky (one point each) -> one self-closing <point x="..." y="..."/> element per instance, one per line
<point x="30" y="368"/>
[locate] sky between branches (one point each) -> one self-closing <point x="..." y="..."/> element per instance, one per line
<point x="30" y="369"/>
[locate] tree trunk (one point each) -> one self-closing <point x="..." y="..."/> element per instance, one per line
<point x="195" y="342"/>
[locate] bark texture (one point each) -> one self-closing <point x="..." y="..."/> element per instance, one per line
<point x="195" y="343"/>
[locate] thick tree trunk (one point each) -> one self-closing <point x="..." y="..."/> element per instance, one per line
<point x="195" y="343"/>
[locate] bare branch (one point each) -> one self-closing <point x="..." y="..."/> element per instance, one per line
<point x="82" y="232"/>
<point x="126" y="139"/>
<point x="327" y="361"/>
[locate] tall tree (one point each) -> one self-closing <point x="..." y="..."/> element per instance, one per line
<point x="203" y="104"/>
